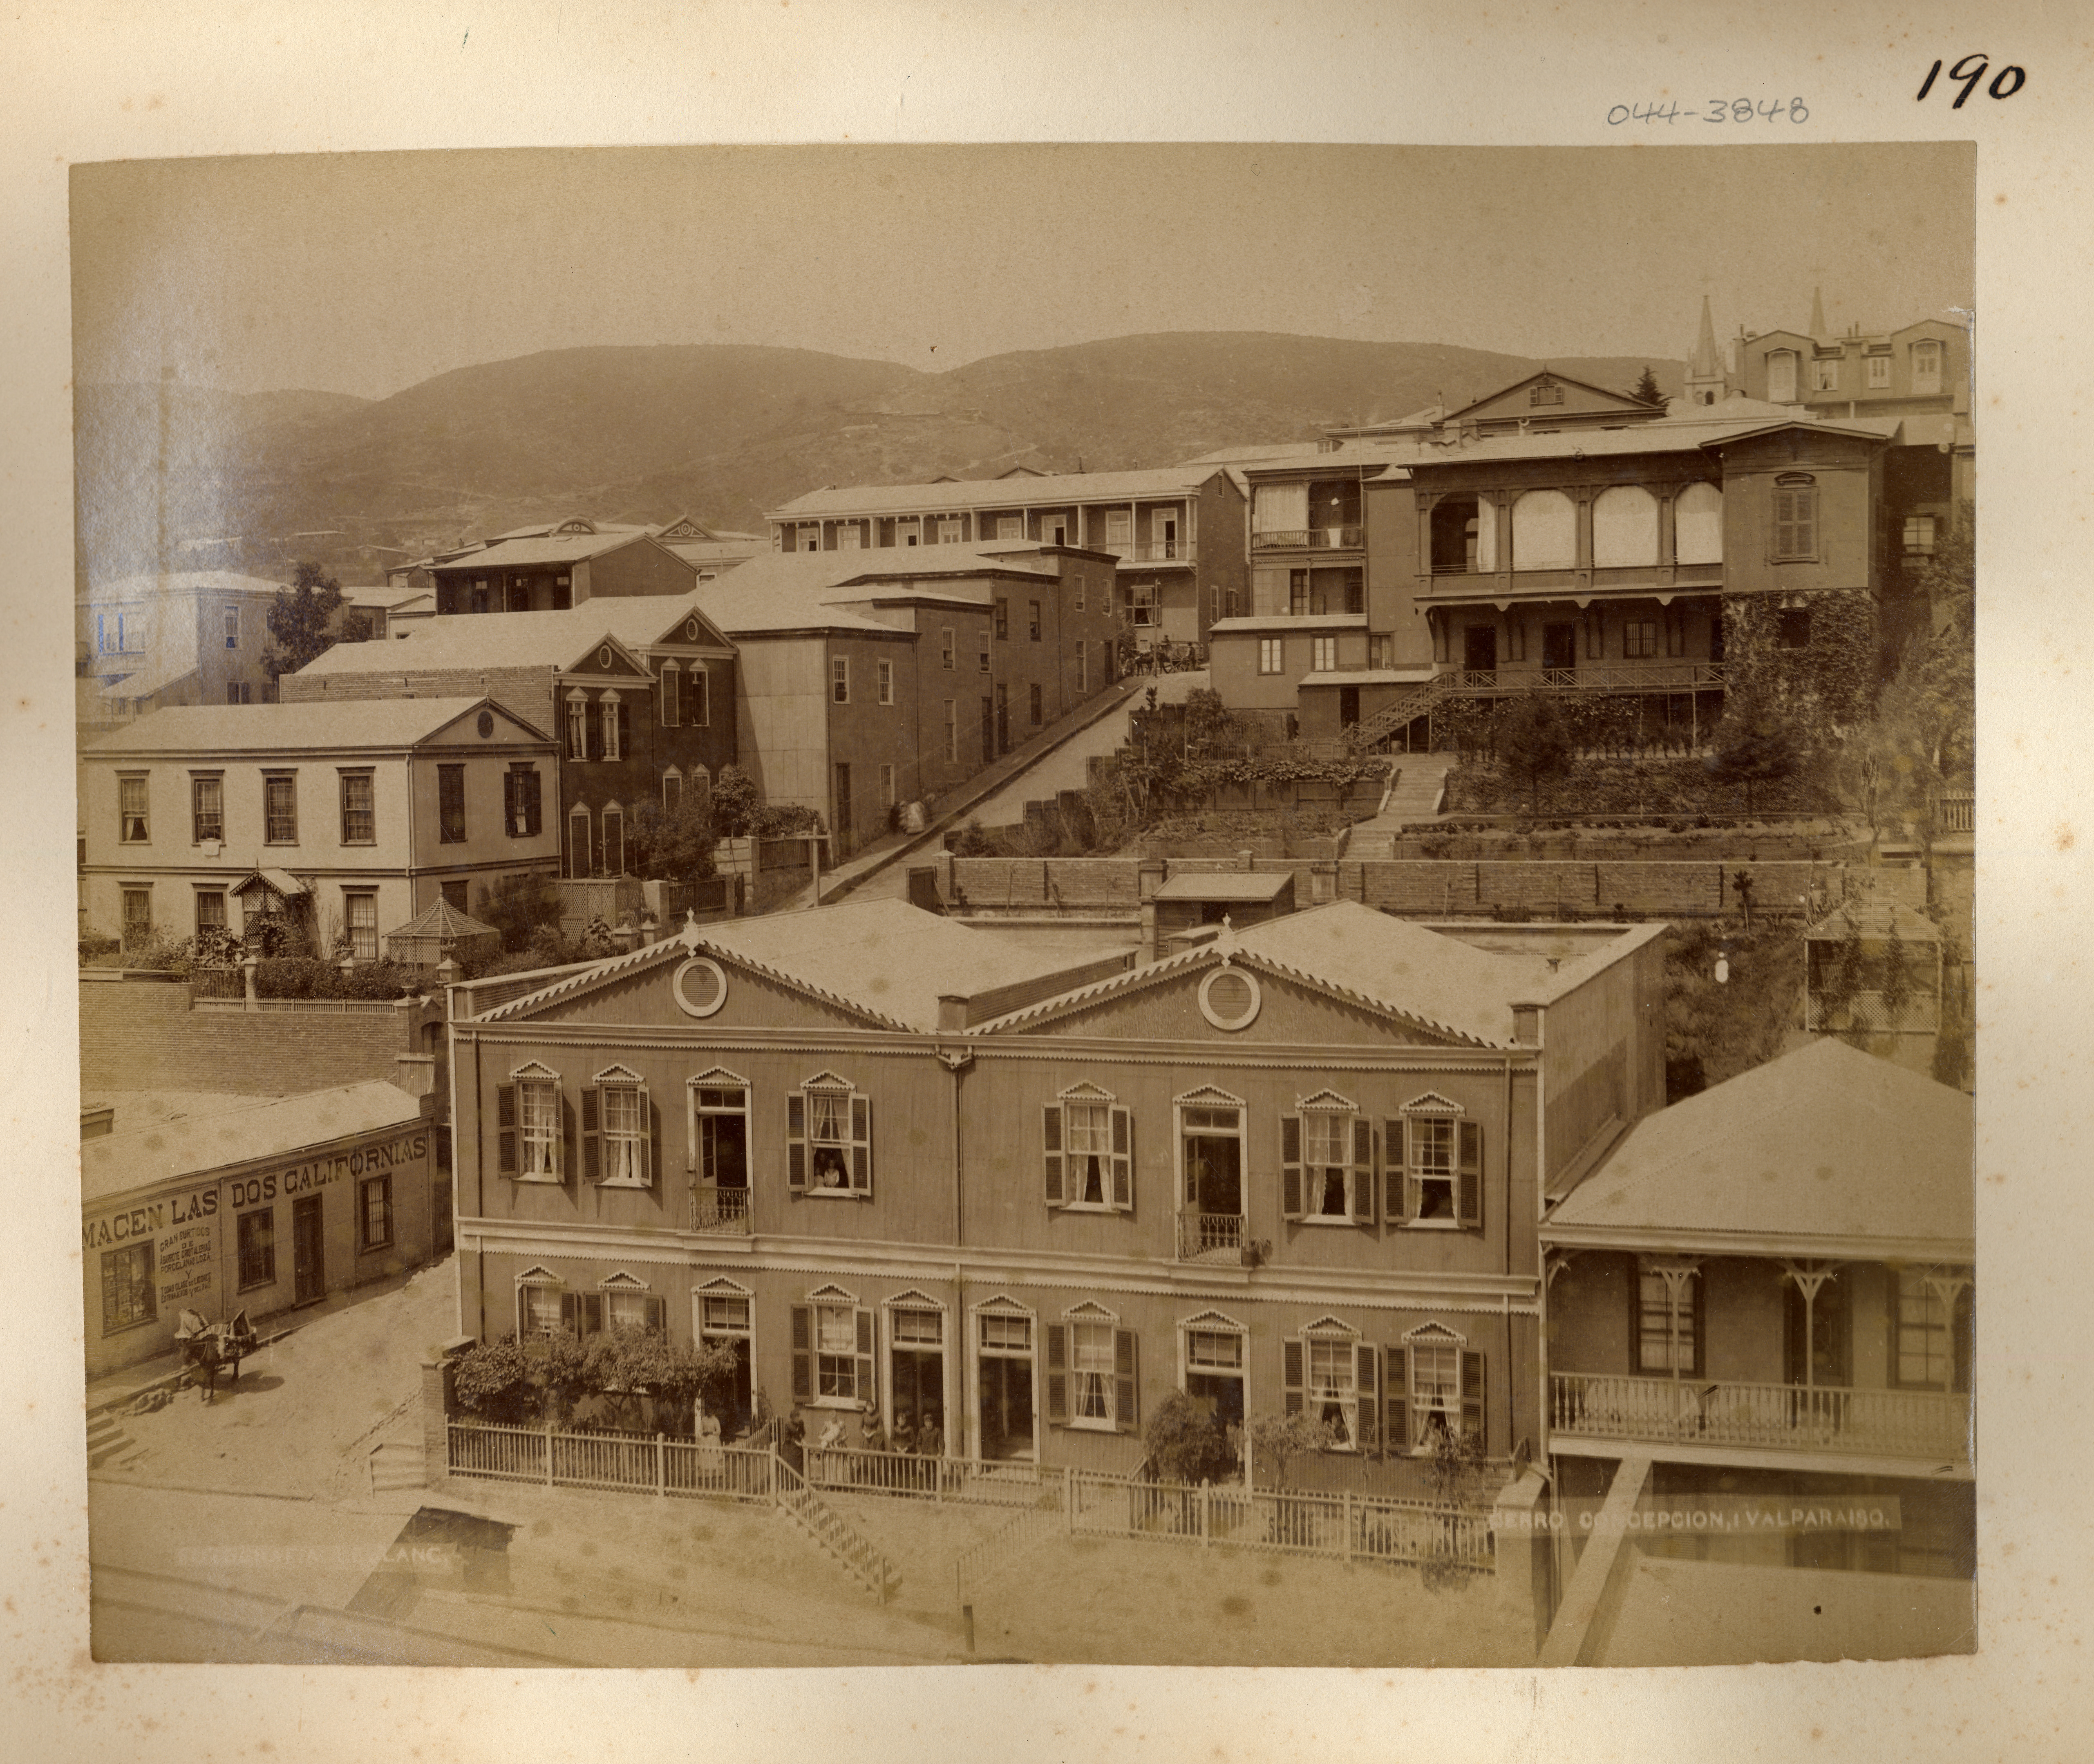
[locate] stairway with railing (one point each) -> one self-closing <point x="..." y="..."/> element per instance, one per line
<point x="1049" y="1516"/>
<point x="829" y="1532"/>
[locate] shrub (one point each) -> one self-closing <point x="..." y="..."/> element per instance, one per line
<point x="518" y="906"/>
<point x="1187" y="1444"/>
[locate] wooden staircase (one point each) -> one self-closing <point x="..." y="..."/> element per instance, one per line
<point x="106" y="1441"/>
<point x="829" y="1532"/>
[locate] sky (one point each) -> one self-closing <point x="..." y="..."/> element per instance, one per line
<point x="366" y="273"/>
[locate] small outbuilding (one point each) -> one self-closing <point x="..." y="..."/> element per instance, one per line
<point x="439" y="929"/>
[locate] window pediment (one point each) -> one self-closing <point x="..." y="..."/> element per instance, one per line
<point x="913" y="1300"/>
<point x="1085" y="1092"/>
<point x="534" y="1072"/>
<point x="827" y="1080"/>
<point x="1330" y="1325"/>
<point x="539" y="1276"/>
<point x="718" y="1078"/>
<point x="1433" y="1333"/>
<point x="1207" y="1094"/>
<point x="724" y="1288"/>
<point x="831" y="1294"/>
<point x="1431" y="1103"/>
<point x="1212" y="1319"/>
<point x="622" y="1282"/>
<point x="1328" y="1100"/>
<point x="1003" y="1304"/>
<point x="1090" y="1311"/>
<point x="618" y="1075"/>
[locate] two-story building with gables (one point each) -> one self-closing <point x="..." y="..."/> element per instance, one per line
<point x="904" y="1164"/>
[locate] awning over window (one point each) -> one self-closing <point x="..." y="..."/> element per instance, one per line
<point x="280" y="883"/>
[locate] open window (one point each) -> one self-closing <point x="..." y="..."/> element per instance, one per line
<point x="619" y="1130"/>
<point x="1434" y="1161"/>
<point x="828" y="1140"/>
<point x="1087" y="1143"/>
<point x="529" y="1125"/>
<point x="1436" y="1389"/>
<point x="1326" y="1162"/>
<point x="832" y="1350"/>
<point x="1093" y="1377"/>
<point x="1331" y="1375"/>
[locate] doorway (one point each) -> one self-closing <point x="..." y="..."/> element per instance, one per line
<point x="1454" y="535"/>
<point x="916" y="1371"/>
<point x="1215" y="1373"/>
<point x="843" y="807"/>
<point x="1004" y="1386"/>
<point x="1213" y="1150"/>
<point x="308" y="1260"/>
<point x="723" y="1321"/>
<point x="1479" y="649"/>
<point x="1348" y="706"/>
<point x="1002" y="718"/>
<point x="1559" y="646"/>
<point x="989" y="730"/>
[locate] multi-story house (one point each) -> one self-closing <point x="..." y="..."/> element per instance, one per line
<point x="1765" y="1293"/>
<point x="545" y="568"/>
<point x="143" y="642"/>
<point x="869" y="681"/>
<point x="641" y="691"/>
<point x="1025" y="1194"/>
<point x="1172" y="583"/>
<point x="350" y="818"/>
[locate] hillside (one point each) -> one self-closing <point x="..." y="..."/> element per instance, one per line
<point x="722" y="432"/>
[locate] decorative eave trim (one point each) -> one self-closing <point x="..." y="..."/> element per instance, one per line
<point x="1701" y="1241"/>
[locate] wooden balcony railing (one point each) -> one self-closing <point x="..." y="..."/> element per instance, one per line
<point x="1309" y="539"/>
<point x="719" y="1209"/>
<point x="1959" y="811"/>
<point x="1885" y="1423"/>
<point x="1159" y="551"/>
<point x="1219" y="1235"/>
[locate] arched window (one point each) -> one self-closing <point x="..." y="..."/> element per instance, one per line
<point x="672" y="791"/>
<point x="1625" y="526"/>
<point x="580" y="851"/>
<point x="700" y="785"/>
<point x="577" y="724"/>
<point x="672" y="681"/>
<point x="1781" y="376"/>
<point x="614" y="840"/>
<point x="1544" y="531"/>
<point x="1697" y="524"/>
<point x="613" y="710"/>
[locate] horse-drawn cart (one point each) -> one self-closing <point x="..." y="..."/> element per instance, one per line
<point x="207" y="1348"/>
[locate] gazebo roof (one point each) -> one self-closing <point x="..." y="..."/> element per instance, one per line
<point x="442" y="920"/>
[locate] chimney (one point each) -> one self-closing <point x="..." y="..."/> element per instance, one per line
<point x="415" y="1073"/>
<point x="952" y="1013"/>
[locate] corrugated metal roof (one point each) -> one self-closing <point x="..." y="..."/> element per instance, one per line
<point x="1824" y="1143"/>
<point x="194" y="1144"/>
<point x="547" y="640"/>
<point x="323" y="725"/>
<point x="1055" y="490"/>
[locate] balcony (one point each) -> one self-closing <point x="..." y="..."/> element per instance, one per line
<point x="1590" y="676"/>
<point x="1309" y="539"/>
<point x="720" y="1210"/>
<point x="1918" y="1424"/>
<point x="1157" y="551"/>
<point x="1210" y="1237"/>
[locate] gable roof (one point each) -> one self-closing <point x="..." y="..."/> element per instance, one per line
<point x="948" y="496"/>
<point x="1628" y="405"/>
<point x="323" y="725"/>
<point x="1823" y="1149"/>
<point x="545" y="548"/>
<point x="883" y="960"/>
<point x="816" y="590"/>
<point x="209" y="1138"/>
<point x="549" y="639"/>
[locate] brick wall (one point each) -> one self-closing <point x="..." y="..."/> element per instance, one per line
<point x="144" y="1036"/>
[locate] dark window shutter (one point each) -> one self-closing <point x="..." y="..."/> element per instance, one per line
<point x="566" y="1137"/>
<point x="592" y="1136"/>
<point x="803" y="1354"/>
<point x="1397" y="1382"/>
<point x="1290" y="1165"/>
<point x="1472" y="1397"/>
<point x="1290" y="1369"/>
<point x="504" y="1117"/>
<point x="591" y="1319"/>
<point x="864" y="1388"/>
<point x="509" y="815"/>
<point x="593" y="722"/>
<point x="795" y="1142"/>
<point x="657" y="1316"/>
<point x="861" y="1144"/>
<point x="1470" y="1202"/>
<point x="1392" y="1171"/>
<point x="650" y="1153"/>
<point x="1122" y="1160"/>
<point x="1050" y="1139"/>
<point x="1057" y="1373"/>
<point x="1363" y="1171"/>
<point x="533" y="804"/>
<point x="571" y="1310"/>
<point x="1126" y="1380"/>
<point x="1368" y="1367"/>
<point x="672" y="683"/>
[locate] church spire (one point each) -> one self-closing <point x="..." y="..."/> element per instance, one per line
<point x="1817" y="313"/>
<point x="1704" y="368"/>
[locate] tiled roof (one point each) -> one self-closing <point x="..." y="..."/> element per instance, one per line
<point x="885" y="958"/>
<point x="1826" y="1143"/>
<point x="1056" y="490"/>
<point x="207" y="1140"/>
<point x="324" y="726"/>
<point x="515" y="639"/>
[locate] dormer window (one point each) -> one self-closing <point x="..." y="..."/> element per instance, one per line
<point x="1546" y="392"/>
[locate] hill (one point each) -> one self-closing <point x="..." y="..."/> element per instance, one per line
<point x="722" y="432"/>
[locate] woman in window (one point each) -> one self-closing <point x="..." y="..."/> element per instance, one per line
<point x="830" y="1133"/>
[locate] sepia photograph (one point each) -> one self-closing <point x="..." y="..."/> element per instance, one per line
<point x="813" y="938"/>
<point x="1072" y="882"/>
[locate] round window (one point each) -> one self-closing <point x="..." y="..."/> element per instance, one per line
<point x="486" y="724"/>
<point x="1229" y="998"/>
<point x="603" y="656"/>
<point x="691" y="629"/>
<point x="699" y="987"/>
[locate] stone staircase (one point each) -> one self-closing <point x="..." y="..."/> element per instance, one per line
<point x="397" y="1464"/>
<point x="1415" y="796"/>
<point x="108" y="1443"/>
<point x="829" y="1532"/>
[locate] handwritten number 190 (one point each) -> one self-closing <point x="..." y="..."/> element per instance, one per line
<point x="1970" y="76"/>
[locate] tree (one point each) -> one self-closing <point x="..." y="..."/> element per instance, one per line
<point x="299" y="620"/>
<point x="1281" y="1439"/>
<point x="1646" y="388"/>
<point x="672" y="844"/>
<point x="1187" y="1444"/>
<point x="1755" y="745"/>
<point x="518" y="906"/>
<point x="1534" y="743"/>
<point x="736" y="803"/>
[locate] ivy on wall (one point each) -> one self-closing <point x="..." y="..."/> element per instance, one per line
<point x="1826" y="684"/>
